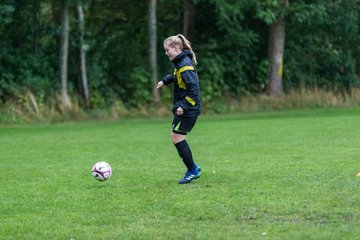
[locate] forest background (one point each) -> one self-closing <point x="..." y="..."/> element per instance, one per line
<point x="75" y="59"/>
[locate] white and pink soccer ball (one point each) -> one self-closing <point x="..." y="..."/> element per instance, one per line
<point x="101" y="171"/>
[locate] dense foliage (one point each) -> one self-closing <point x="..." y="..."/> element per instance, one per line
<point x="231" y="39"/>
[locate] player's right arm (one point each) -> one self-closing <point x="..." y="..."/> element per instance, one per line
<point x="168" y="79"/>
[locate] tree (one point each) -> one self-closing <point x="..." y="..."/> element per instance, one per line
<point x="231" y="39"/>
<point x="189" y="19"/>
<point x="153" y="48"/>
<point x="64" y="49"/>
<point x="276" y="53"/>
<point x="83" y="71"/>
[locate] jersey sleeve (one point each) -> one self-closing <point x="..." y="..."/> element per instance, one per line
<point x="168" y="79"/>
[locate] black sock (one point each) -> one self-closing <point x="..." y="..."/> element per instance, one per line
<point x="185" y="153"/>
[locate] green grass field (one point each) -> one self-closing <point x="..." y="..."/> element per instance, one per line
<point x="276" y="175"/>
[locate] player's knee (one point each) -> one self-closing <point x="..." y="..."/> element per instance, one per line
<point x="175" y="138"/>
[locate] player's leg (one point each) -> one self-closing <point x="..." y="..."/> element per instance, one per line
<point x="183" y="149"/>
<point x="181" y="126"/>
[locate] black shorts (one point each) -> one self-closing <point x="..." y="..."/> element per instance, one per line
<point x="183" y="125"/>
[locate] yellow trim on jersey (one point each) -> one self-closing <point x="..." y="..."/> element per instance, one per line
<point x="190" y="100"/>
<point x="180" y="81"/>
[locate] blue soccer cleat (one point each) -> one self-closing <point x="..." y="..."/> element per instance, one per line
<point x="189" y="176"/>
<point x="198" y="168"/>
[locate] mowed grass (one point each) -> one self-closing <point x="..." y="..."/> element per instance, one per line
<point x="278" y="175"/>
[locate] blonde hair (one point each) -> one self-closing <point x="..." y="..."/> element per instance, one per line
<point x="184" y="44"/>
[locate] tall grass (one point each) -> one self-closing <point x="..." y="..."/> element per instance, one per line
<point x="304" y="98"/>
<point x="27" y="108"/>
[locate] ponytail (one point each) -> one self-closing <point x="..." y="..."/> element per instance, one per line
<point x="187" y="45"/>
<point x="183" y="43"/>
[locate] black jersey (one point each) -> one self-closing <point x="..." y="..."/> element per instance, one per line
<point x="186" y="85"/>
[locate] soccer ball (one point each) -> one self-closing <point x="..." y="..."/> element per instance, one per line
<point x="101" y="171"/>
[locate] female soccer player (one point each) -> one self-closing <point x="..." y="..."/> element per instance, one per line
<point x="186" y="102"/>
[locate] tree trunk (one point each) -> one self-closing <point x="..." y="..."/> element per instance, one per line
<point x="153" y="49"/>
<point x="64" y="48"/>
<point x="83" y="71"/>
<point x="189" y="19"/>
<point x="276" y="53"/>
